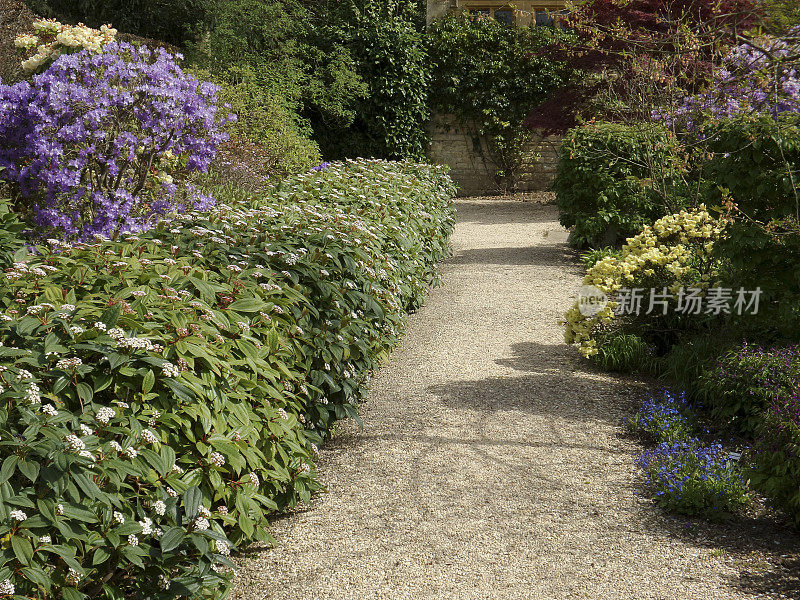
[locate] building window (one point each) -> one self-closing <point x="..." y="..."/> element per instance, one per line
<point x="483" y="13"/>
<point x="544" y="18"/>
<point x="504" y="16"/>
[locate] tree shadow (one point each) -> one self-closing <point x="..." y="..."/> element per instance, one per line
<point x="505" y="212"/>
<point x="761" y="545"/>
<point x="545" y="256"/>
<point x="549" y="371"/>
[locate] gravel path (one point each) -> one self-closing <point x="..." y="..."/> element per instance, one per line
<point x="491" y="464"/>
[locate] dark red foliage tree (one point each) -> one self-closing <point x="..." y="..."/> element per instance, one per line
<point x="681" y="38"/>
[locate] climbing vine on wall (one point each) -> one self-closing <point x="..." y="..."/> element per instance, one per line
<point x="490" y="76"/>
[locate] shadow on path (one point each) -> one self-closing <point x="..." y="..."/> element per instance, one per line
<point x="504" y="212"/>
<point x="543" y="256"/>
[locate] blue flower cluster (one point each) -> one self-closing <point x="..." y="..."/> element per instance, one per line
<point x="664" y="419"/>
<point x="685" y="475"/>
<point x="688" y="477"/>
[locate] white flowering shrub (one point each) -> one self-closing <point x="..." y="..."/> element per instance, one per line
<point x="674" y="253"/>
<point x="176" y="384"/>
<point x="50" y="39"/>
<point x="85" y="502"/>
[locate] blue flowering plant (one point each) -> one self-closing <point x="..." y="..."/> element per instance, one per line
<point x="688" y="477"/>
<point x="106" y="142"/>
<point x="663" y="419"/>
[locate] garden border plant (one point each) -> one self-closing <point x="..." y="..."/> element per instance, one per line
<point x="182" y="377"/>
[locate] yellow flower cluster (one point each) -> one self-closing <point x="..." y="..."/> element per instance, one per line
<point x="674" y="252"/>
<point x="51" y="39"/>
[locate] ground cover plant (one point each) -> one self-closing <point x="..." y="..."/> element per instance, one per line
<point x="173" y="384"/>
<point x="684" y="474"/>
<point x="688" y="477"/>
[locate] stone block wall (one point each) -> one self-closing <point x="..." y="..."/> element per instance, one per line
<point x="456" y="145"/>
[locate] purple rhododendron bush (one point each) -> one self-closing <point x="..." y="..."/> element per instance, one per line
<point x="106" y="142"/>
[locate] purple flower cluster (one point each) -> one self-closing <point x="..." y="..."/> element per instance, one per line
<point x="321" y="167"/>
<point x="690" y="478"/>
<point x="751" y="80"/>
<point x="750" y="380"/>
<point x="763" y="370"/>
<point x="103" y="143"/>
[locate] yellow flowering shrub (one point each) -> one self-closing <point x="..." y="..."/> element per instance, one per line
<point x="675" y="252"/>
<point x="51" y="39"/>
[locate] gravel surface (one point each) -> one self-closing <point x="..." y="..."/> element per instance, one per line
<point x="491" y="464"/>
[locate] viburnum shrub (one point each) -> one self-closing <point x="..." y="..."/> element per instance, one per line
<point x="51" y="39"/>
<point x="86" y="503"/>
<point x="676" y="251"/>
<point x="199" y="364"/>
<point x="104" y="143"/>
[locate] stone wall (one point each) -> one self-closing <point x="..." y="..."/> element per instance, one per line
<point x="457" y="146"/>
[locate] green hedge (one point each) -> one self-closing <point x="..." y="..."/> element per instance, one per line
<point x="613" y="179"/>
<point x="282" y="140"/>
<point x="753" y="158"/>
<point x="172" y="386"/>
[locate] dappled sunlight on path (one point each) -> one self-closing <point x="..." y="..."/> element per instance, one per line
<point x="491" y="464"/>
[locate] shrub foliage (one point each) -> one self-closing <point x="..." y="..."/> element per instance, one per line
<point x="163" y="393"/>
<point x="614" y="179"/>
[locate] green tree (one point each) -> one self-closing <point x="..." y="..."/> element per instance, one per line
<point x="387" y="44"/>
<point x="781" y="15"/>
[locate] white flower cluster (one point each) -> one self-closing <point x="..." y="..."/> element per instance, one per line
<point x="134" y="343"/>
<point x="66" y="364"/>
<point x="169" y="370"/>
<point x="51" y="39"/>
<point x="74" y="442"/>
<point x="217" y="459"/>
<point x="149" y="437"/>
<point x="7" y="588"/>
<point x="222" y="547"/>
<point x="32" y="394"/>
<point x="18" y="515"/>
<point x="73" y="577"/>
<point x="147" y="526"/>
<point x="104" y="415"/>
